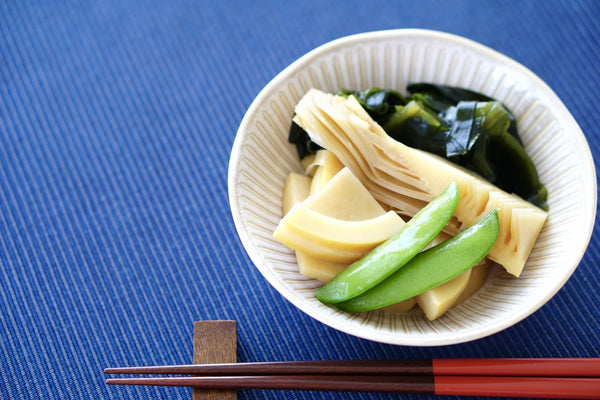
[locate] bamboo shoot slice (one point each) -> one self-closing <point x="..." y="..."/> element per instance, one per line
<point x="301" y="243"/>
<point x="437" y="301"/>
<point x="353" y="236"/>
<point x="344" y="197"/>
<point x="323" y="173"/>
<point x="295" y="190"/>
<point x="316" y="268"/>
<point x="477" y="279"/>
<point x="402" y="307"/>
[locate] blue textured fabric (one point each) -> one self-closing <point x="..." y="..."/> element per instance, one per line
<point x="116" y="124"/>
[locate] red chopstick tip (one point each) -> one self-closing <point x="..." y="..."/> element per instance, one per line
<point x="571" y="367"/>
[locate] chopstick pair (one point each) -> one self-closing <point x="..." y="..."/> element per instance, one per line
<point x="564" y="378"/>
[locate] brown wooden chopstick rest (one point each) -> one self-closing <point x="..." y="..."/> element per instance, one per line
<point x="215" y="342"/>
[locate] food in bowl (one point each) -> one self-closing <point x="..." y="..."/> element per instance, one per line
<point x="408" y="181"/>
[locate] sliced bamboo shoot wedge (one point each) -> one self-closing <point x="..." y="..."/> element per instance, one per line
<point x="321" y="270"/>
<point x="324" y="232"/>
<point x="435" y="302"/>
<point x="295" y="190"/>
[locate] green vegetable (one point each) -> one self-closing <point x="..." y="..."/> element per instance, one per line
<point x="431" y="267"/>
<point x="440" y="98"/>
<point x="466" y="127"/>
<point x="391" y="255"/>
<point x="299" y="137"/>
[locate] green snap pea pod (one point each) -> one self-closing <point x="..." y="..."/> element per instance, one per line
<point x="431" y="267"/>
<point x="392" y="254"/>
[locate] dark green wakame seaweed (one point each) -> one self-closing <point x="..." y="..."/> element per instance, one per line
<point x="463" y="126"/>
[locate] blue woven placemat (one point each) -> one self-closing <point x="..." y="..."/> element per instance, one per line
<point x="116" y="124"/>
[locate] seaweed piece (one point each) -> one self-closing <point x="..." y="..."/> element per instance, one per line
<point x="442" y="97"/>
<point x="300" y="138"/>
<point x="379" y="103"/>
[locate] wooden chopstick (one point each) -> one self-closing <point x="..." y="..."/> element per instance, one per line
<point x="564" y="378"/>
<point x="368" y="367"/>
<point x="498" y="386"/>
<point x="560" y="367"/>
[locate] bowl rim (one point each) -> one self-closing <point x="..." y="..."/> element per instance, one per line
<point x="399" y="34"/>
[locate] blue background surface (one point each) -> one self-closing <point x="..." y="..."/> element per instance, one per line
<point x="116" y="123"/>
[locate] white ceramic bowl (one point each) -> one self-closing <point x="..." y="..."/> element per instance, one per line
<point x="262" y="158"/>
